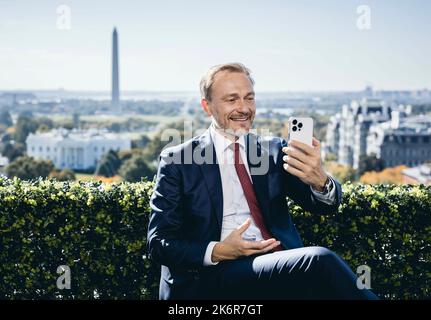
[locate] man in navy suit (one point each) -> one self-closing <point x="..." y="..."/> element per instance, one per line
<point x="220" y="226"/>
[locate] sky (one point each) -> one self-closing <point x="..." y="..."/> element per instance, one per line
<point x="300" y="45"/>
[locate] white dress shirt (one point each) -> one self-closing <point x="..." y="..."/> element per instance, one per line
<point x="235" y="206"/>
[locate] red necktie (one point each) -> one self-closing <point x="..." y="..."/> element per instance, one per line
<point x="250" y="196"/>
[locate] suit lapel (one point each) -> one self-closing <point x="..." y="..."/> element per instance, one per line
<point x="211" y="173"/>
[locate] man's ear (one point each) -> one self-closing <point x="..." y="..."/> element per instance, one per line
<point x="205" y="106"/>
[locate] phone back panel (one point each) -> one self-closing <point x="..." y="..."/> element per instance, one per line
<point x="301" y="129"/>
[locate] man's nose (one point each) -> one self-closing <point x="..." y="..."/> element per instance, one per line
<point x="241" y="105"/>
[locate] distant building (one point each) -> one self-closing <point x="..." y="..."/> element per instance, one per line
<point x="403" y="140"/>
<point x="347" y="131"/>
<point x="76" y="149"/>
<point x="418" y="175"/>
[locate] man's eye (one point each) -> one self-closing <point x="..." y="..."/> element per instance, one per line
<point x="250" y="98"/>
<point x="231" y="100"/>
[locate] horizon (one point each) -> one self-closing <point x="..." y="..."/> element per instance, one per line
<point x="108" y="92"/>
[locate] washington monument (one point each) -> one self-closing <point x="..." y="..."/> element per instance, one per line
<point x="115" y="94"/>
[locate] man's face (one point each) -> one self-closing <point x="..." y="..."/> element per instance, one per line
<point x="232" y="102"/>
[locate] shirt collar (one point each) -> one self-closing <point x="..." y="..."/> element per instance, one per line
<point x="221" y="143"/>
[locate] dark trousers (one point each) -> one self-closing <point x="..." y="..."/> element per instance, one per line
<point x="303" y="273"/>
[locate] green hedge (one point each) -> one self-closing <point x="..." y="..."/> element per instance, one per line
<point x="99" y="231"/>
<point x="386" y="227"/>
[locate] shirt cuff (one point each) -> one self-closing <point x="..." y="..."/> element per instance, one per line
<point x="326" y="197"/>
<point x="208" y="254"/>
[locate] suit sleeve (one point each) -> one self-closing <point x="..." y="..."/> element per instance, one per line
<point x="302" y="194"/>
<point x="166" y="243"/>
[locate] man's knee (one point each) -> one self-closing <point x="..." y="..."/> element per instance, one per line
<point x="322" y="255"/>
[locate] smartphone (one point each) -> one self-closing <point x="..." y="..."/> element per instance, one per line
<point x="301" y="129"/>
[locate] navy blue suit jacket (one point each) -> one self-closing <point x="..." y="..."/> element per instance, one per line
<point x="187" y="208"/>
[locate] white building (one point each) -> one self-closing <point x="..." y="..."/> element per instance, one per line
<point x="76" y="149"/>
<point x="347" y="131"/>
<point x="403" y="140"/>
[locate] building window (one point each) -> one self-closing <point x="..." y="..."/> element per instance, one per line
<point x="95" y="149"/>
<point x="47" y="149"/>
<point x="32" y="148"/>
<point x="40" y="148"/>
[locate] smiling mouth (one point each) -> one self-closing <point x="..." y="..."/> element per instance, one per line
<point x="239" y="119"/>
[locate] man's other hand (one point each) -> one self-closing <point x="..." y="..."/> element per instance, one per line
<point x="234" y="246"/>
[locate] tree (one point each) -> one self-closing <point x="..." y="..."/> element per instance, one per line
<point x="141" y="142"/>
<point x="136" y="168"/>
<point x="24" y="127"/>
<point x="127" y="154"/>
<point x="45" y="124"/>
<point x="340" y="172"/>
<point x="26" y="168"/>
<point x="5" y="118"/>
<point x="6" y="137"/>
<point x="63" y="175"/>
<point x="172" y="133"/>
<point x="370" y="163"/>
<point x="388" y="175"/>
<point x="330" y="157"/>
<point x="108" y="165"/>
<point x="13" y="150"/>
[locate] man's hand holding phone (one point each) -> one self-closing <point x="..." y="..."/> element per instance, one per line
<point x="304" y="162"/>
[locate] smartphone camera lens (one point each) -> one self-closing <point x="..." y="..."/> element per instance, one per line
<point x="294" y="128"/>
<point x="294" y="121"/>
<point x="300" y="125"/>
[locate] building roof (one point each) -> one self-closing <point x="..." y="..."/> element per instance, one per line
<point x="77" y="135"/>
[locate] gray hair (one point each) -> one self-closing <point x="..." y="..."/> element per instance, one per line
<point x="208" y="79"/>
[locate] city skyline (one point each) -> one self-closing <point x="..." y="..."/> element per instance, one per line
<point x="293" y="46"/>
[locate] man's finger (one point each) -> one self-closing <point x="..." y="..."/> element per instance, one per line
<point x="271" y="247"/>
<point x="293" y="171"/>
<point x="258" y="245"/>
<point x="291" y="161"/>
<point x="244" y="226"/>
<point x="316" y="143"/>
<point x="297" y="154"/>
<point x="266" y="249"/>
<point x="302" y="146"/>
